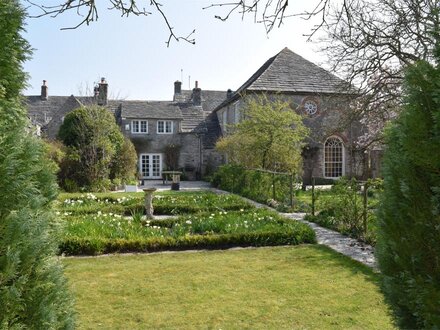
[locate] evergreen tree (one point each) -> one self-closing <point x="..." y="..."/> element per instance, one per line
<point x="409" y="218"/>
<point x="33" y="290"/>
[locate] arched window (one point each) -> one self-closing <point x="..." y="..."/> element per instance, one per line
<point x="333" y="158"/>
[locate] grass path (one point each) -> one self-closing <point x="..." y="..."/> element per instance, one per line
<point x="302" y="287"/>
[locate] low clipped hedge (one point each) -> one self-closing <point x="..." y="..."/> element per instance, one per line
<point x="95" y="246"/>
<point x="168" y="203"/>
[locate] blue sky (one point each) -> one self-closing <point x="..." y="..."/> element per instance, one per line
<point x="132" y="55"/>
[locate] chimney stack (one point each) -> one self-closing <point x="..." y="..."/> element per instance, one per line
<point x="44" y="92"/>
<point x="197" y="95"/>
<point x="177" y="87"/>
<point x="102" y="92"/>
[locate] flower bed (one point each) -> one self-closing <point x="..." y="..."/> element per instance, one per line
<point x="108" y="232"/>
<point x="165" y="203"/>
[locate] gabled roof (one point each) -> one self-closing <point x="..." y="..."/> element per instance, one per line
<point x="150" y="109"/>
<point x="287" y="72"/>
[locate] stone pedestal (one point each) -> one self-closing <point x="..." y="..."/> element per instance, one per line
<point x="149" y="201"/>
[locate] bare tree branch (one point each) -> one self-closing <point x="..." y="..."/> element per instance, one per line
<point x="88" y="10"/>
<point x="371" y="43"/>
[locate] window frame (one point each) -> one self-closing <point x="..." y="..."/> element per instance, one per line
<point x="165" y="127"/>
<point x="139" y="126"/>
<point x="326" y="161"/>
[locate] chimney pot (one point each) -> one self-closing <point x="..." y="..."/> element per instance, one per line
<point x="229" y="93"/>
<point x="44" y="91"/>
<point x="197" y="84"/>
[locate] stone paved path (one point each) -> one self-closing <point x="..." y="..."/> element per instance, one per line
<point x="350" y="247"/>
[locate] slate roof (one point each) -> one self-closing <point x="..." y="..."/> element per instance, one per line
<point x="194" y="119"/>
<point x="37" y="108"/>
<point x="287" y="72"/>
<point x="210" y="99"/>
<point x="201" y="118"/>
<point x="150" y="109"/>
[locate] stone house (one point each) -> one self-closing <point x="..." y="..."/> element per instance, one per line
<point x="181" y="133"/>
<point x="172" y="135"/>
<point x="320" y="97"/>
<point x="168" y="135"/>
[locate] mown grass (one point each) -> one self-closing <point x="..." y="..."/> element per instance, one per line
<point x="303" y="287"/>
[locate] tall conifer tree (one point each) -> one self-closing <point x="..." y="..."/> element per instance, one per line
<point x="33" y="291"/>
<point x="409" y="218"/>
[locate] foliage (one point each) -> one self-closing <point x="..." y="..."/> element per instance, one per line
<point x="270" y="137"/>
<point x="164" y="203"/>
<point x="171" y="156"/>
<point x="342" y="209"/>
<point x="33" y="291"/>
<point x="96" y="150"/>
<point x="409" y="217"/>
<point x="257" y="185"/>
<point x="347" y="205"/>
<point x="124" y="164"/>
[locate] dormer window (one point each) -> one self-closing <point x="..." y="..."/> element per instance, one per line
<point x="164" y="127"/>
<point x="139" y="126"/>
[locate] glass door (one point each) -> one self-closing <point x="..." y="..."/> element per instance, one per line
<point x="150" y="166"/>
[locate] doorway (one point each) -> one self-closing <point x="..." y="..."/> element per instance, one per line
<point x="150" y="166"/>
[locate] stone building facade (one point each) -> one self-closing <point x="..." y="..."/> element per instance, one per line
<point x="321" y="98"/>
<point x="180" y="134"/>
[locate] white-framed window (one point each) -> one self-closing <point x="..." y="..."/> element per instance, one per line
<point x="334" y="158"/>
<point x="139" y="126"/>
<point x="164" y="127"/>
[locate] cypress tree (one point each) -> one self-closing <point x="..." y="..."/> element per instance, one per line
<point x="33" y="290"/>
<point x="409" y="217"/>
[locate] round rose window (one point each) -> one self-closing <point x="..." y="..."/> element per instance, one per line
<point x="310" y="107"/>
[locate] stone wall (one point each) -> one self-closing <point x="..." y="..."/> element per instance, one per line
<point x="326" y="122"/>
<point x="194" y="158"/>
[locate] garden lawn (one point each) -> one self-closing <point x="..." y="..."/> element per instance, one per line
<point x="302" y="287"/>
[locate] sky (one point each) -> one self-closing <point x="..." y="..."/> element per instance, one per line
<point x="132" y="55"/>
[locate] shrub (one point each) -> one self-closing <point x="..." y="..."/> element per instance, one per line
<point x="96" y="152"/>
<point x="172" y="203"/>
<point x="253" y="184"/>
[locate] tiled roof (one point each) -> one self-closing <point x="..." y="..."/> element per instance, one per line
<point x="192" y="117"/>
<point x="287" y="72"/>
<point x="201" y="119"/>
<point x="210" y="99"/>
<point x="150" y="109"/>
<point x="42" y="110"/>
